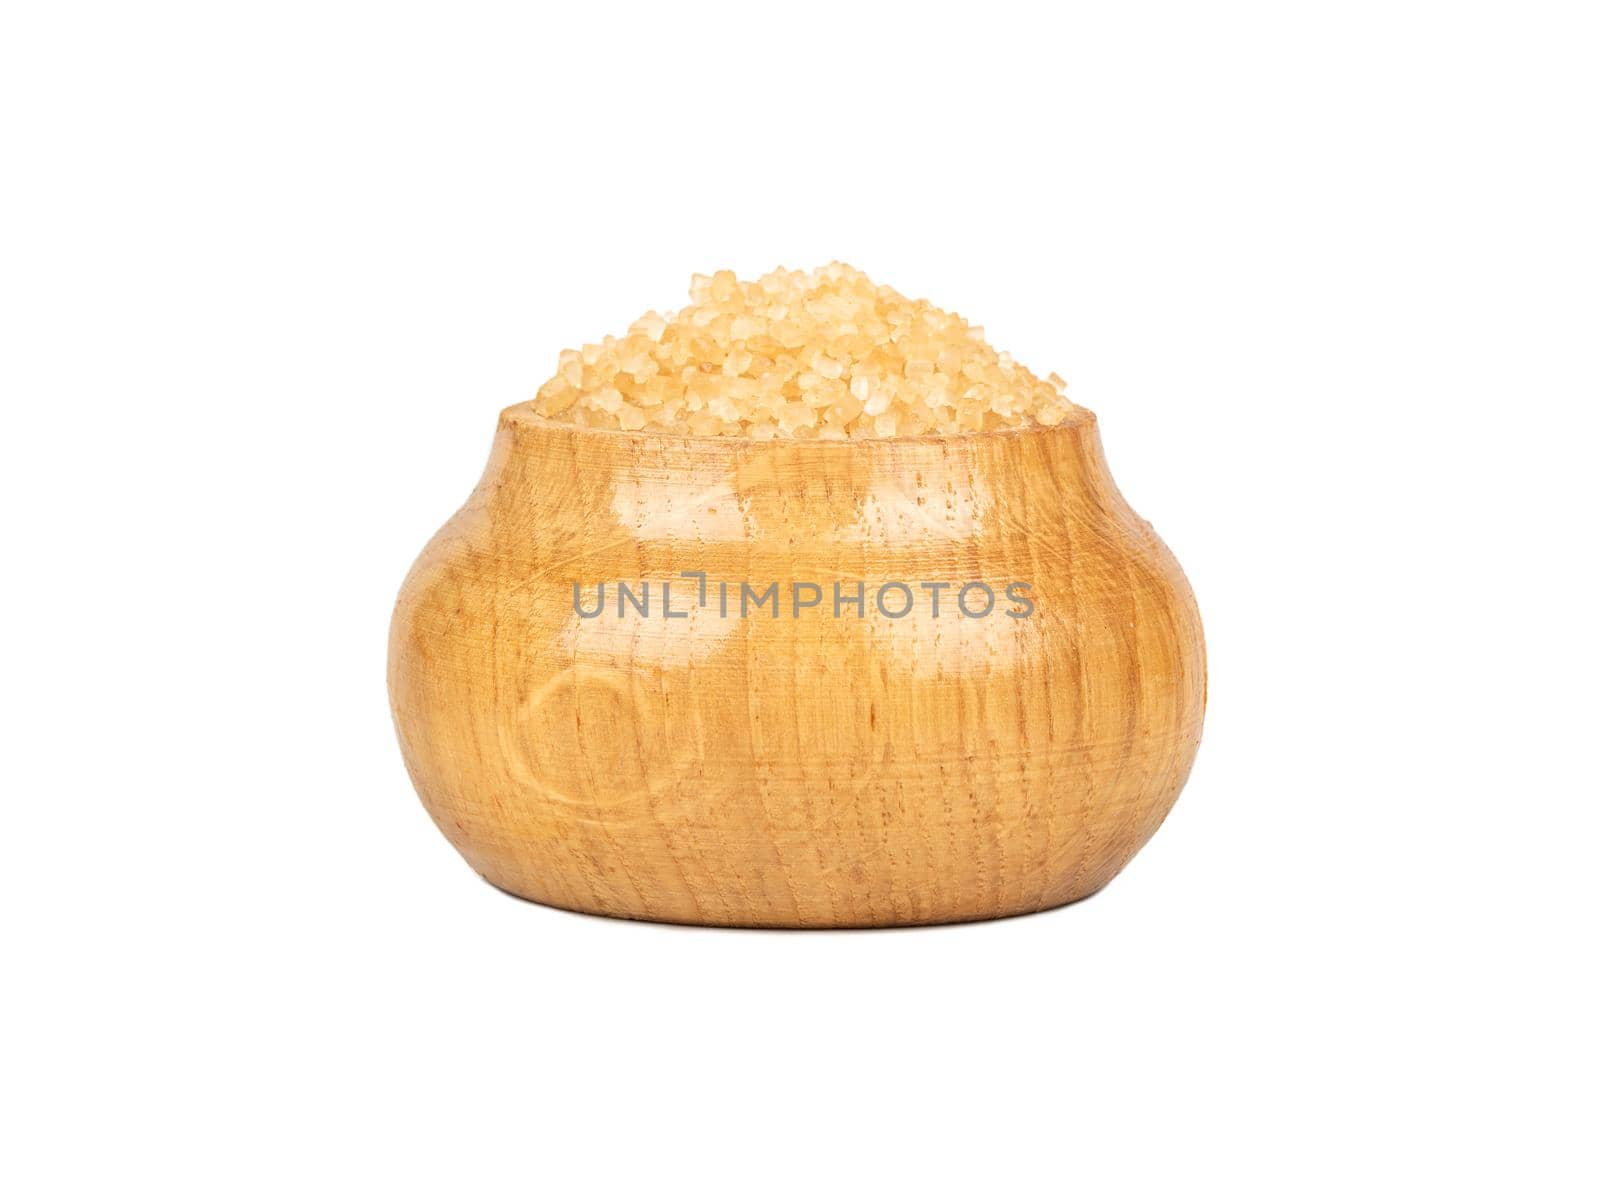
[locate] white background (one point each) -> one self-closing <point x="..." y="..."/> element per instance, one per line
<point x="1327" y="272"/>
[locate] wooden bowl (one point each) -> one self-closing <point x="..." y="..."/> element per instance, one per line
<point x="806" y="769"/>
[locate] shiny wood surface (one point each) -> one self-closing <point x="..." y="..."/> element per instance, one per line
<point x="805" y="770"/>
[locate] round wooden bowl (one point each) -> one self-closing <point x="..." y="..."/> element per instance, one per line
<point x="675" y="763"/>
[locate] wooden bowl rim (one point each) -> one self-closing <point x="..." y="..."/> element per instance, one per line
<point x="1079" y="419"/>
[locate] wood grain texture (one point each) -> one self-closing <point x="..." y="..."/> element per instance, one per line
<point x="798" y="771"/>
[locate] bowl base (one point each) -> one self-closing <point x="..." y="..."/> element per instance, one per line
<point x="761" y="923"/>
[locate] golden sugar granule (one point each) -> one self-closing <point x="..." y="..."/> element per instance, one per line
<point x="824" y="354"/>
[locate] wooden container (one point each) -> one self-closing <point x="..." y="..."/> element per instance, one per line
<point x="808" y="768"/>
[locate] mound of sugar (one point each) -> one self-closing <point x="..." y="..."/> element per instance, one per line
<point x="824" y="354"/>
